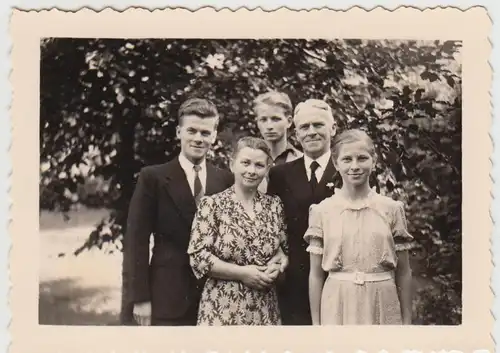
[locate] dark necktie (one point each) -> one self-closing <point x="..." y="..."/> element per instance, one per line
<point x="198" y="189"/>
<point x="314" y="181"/>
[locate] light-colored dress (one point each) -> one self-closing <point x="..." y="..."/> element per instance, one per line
<point x="358" y="237"/>
<point x="223" y="229"/>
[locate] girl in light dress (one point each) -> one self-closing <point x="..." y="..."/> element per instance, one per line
<point x="359" y="239"/>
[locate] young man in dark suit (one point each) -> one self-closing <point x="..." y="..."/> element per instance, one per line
<point x="165" y="291"/>
<point x="301" y="183"/>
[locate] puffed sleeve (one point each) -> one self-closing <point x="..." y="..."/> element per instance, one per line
<point x="200" y="249"/>
<point x="402" y="238"/>
<point x="280" y="219"/>
<point x="314" y="233"/>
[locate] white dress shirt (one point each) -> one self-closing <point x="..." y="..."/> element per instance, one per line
<point x="322" y="161"/>
<point x="188" y="168"/>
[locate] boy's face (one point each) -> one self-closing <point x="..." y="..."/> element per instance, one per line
<point x="272" y="122"/>
<point x="196" y="136"/>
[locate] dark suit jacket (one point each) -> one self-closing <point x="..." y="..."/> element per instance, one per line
<point x="289" y="181"/>
<point x="163" y="205"/>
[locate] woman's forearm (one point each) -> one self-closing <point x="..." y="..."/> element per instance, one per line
<point x="225" y="270"/>
<point x="404" y="286"/>
<point x="403" y="282"/>
<point x="316" y="283"/>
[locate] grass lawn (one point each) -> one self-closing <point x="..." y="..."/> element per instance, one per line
<point x="82" y="290"/>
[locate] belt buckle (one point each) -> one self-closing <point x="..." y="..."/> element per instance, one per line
<point x="359" y="278"/>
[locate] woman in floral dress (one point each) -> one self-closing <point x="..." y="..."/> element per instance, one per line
<point x="235" y="235"/>
<point x="360" y="239"/>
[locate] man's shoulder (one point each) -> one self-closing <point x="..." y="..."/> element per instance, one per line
<point x="221" y="173"/>
<point x="160" y="168"/>
<point x="279" y="173"/>
<point x="218" y="170"/>
<point x="269" y="199"/>
<point x="286" y="167"/>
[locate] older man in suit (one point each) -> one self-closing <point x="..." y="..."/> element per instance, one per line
<point x="165" y="291"/>
<point x="301" y="183"/>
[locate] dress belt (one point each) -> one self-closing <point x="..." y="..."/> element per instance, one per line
<point x="360" y="278"/>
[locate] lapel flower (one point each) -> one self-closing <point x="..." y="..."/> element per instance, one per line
<point x="330" y="185"/>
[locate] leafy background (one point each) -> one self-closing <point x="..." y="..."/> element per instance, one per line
<point x="103" y="102"/>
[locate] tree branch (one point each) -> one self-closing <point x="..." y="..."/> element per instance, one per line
<point x="314" y="56"/>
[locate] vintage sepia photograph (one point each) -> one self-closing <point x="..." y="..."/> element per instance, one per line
<point x="123" y="122"/>
<point x="229" y="187"/>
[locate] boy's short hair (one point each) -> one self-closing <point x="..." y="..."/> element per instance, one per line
<point x="275" y="98"/>
<point x="200" y="107"/>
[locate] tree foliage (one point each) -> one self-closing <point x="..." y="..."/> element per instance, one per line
<point x="103" y="103"/>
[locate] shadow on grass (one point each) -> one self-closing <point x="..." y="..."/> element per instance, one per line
<point x="64" y="302"/>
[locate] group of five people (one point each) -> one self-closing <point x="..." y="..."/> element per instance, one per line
<point x="282" y="238"/>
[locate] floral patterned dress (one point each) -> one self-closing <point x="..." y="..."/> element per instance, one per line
<point x="223" y="229"/>
<point x="364" y="236"/>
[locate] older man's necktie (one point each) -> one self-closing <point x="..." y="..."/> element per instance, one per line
<point x="314" y="182"/>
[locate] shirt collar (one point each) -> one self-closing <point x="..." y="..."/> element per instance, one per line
<point x="187" y="165"/>
<point x="322" y="161"/>
<point x="289" y="149"/>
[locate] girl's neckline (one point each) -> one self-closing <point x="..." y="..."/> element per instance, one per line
<point x="356" y="204"/>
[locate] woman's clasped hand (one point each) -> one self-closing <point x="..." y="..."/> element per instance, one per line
<point x="259" y="277"/>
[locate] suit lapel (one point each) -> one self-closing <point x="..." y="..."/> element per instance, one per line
<point x="327" y="178"/>
<point x="179" y="191"/>
<point x="297" y="179"/>
<point x="328" y="175"/>
<point x="299" y="185"/>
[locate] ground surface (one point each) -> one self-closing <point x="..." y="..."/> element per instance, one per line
<point x="83" y="290"/>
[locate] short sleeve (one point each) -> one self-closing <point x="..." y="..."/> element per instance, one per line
<point x="200" y="248"/>
<point x="402" y="238"/>
<point x="314" y="232"/>
<point x="280" y="220"/>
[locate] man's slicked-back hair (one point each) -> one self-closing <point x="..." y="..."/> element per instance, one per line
<point x="199" y="107"/>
